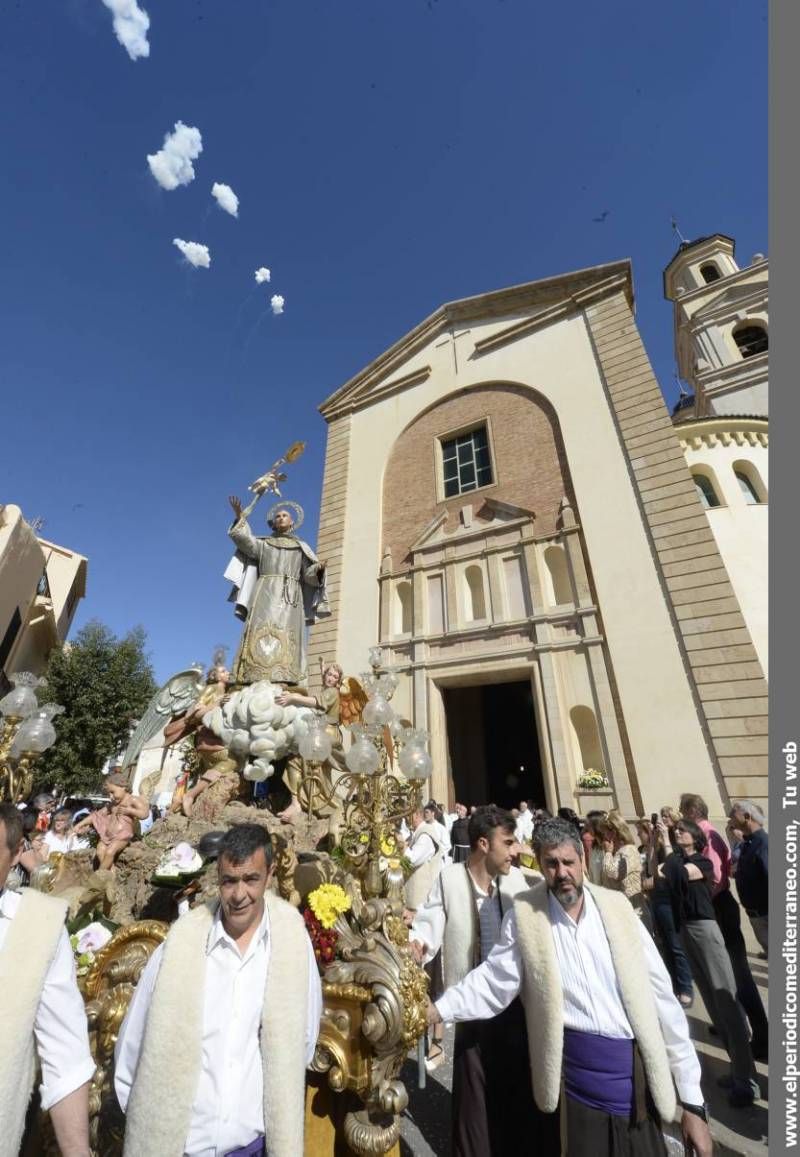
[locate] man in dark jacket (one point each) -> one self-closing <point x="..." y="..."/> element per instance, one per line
<point x="752" y="869"/>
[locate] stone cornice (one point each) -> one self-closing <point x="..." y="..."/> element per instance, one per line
<point x="569" y="291"/>
<point x="569" y="305"/>
<point x="722" y="431"/>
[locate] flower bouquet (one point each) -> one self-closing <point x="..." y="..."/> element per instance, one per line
<point x="325" y="905"/>
<point x="87" y="942"/>
<point x="178" y="866"/>
<point x="592" y="780"/>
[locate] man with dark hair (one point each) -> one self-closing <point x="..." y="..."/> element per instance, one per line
<point x="726" y="910"/>
<point x="608" y="1040"/>
<point x="212" y="1054"/>
<point x="461" y="918"/>
<point x="41" y="1010"/>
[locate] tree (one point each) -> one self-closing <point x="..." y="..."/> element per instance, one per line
<point x="103" y="682"/>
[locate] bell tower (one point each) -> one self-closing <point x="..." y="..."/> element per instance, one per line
<point x="721" y="328"/>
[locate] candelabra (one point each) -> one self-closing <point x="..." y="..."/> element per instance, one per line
<point x="370" y="799"/>
<point x="27" y="731"/>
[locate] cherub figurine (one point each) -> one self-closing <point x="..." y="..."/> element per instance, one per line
<point x="115" y="824"/>
<point x="341" y="701"/>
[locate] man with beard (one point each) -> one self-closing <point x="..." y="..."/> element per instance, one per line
<point x="609" y="1043"/>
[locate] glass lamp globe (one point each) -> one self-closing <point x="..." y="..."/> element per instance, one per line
<point x="415" y="763"/>
<point x="378" y="711"/>
<point x="315" y="746"/>
<point x="362" y="758"/>
<point x="21" y="702"/>
<point x="36" y="734"/>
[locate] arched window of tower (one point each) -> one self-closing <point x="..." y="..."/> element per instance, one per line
<point x="752" y="488"/>
<point x="556" y="561"/>
<point x="751" y="340"/>
<point x="475" y="596"/>
<point x="709" y="272"/>
<point x="706" y="491"/>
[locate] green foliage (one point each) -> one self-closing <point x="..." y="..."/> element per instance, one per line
<point x="103" y="683"/>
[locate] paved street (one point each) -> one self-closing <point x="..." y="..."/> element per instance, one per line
<point x="426" y="1125"/>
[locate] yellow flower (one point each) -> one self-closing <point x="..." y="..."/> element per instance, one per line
<point x="364" y="838"/>
<point x="388" y="846"/>
<point x="327" y="902"/>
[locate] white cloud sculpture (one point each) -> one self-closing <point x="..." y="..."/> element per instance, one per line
<point x="225" y="198"/>
<point x="130" y="26"/>
<point x="277" y="303"/>
<point x="196" y="254"/>
<point x="262" y="274"/>
<point x="172" y="165"/>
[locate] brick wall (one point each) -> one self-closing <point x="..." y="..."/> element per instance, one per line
<point x="529" y="465"/>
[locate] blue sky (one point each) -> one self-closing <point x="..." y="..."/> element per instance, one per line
<point x="388" y="155"/>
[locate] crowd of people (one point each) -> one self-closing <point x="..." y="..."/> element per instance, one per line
<point x="566" y="950"/>
<point x="673" y="874"/>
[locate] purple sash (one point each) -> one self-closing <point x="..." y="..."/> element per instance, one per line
<point x="256" y="1148"/>
<point x="598" y="1071"/>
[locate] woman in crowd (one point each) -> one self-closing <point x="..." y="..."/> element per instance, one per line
<point x="658" y="847"/>
<point x="61" y="837"/>
<point x="622" y="869"/>
<point x="593" y="846"/>
<point x="688" y="875"/>
<point x="33" y="851"/>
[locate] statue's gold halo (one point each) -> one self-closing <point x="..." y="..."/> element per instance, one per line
<point x="290" y="506"/>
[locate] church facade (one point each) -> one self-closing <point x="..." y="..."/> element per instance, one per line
<point x="508" y="510"/>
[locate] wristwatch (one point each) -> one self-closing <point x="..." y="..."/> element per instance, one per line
<point x="700" y="1111"/>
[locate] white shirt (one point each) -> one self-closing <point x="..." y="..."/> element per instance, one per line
<point x="444" y="842"/>
<point x="592" y="1001"/>
<point x="228" y="1109"/>
<point x="429" y="920"/>
<point x="420" y="850"/>
<point x="64" y="844"/>
<point x="524" y="827"/>
<point x="62" y="1040"/>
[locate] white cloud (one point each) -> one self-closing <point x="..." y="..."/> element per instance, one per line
<point x="130" y="25"/>
<point x="225" y="198"/>
<point x="172" y="165"/>
<point x="262" y="274"/>
<point x="196" y="254"/>
<point x="277" y="303"/>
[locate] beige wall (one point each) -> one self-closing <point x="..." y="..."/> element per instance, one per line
<point x="45" y="621"/>
<point x="740" y="529"/>
<point x="556" y="362"/>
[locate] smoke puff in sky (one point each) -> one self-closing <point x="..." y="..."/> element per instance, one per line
<point x="196" y="254"/>
<point x="225" y="198"/>
<point x="172" y="165"/>
<point x="277" y="303"/>
<point x="130" y="25"/>
<point x="262" y="274"/>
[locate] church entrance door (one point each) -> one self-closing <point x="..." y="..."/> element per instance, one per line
<point x="493" y="745"/>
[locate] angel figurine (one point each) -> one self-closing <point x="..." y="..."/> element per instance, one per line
<point x="341" y="701"/>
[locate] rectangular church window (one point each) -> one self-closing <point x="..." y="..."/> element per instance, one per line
<point x="466" y="462"/>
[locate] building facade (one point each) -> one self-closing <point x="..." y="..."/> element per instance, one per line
<point x="507" y="510"/>
<point x="41" y="584"/>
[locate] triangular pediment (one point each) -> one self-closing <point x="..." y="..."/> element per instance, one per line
<point x="470" y="520"/>
<point x="745" y="295"/>
<point x="523" y="307"/>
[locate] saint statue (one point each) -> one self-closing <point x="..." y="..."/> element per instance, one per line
<point x="281" y="588"/>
